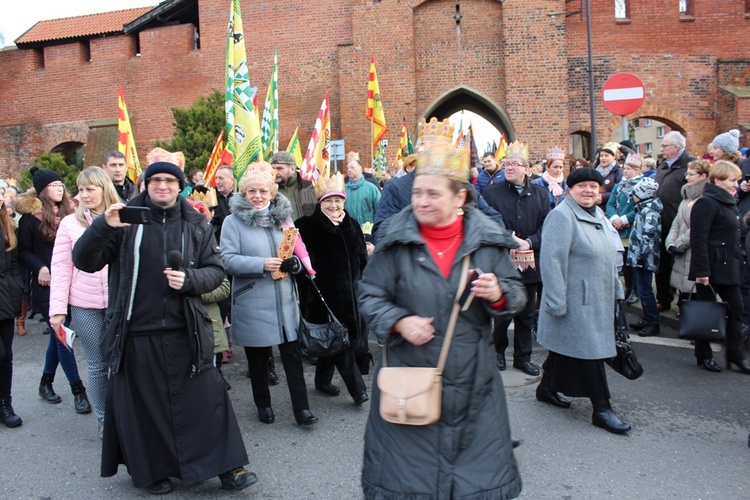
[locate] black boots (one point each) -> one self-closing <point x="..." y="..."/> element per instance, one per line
<point x="603" y="417"/>
<point x="45" y="389"/>
<point x="7" y="415"/>
<point x="81" y="402"/>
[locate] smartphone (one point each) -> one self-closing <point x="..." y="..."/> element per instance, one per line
<point x="467" y="296"/>
<point x="135" y="215"/>
<point x="746" y="178"/>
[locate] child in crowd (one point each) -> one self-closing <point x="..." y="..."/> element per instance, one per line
<point x="643" y="252"/>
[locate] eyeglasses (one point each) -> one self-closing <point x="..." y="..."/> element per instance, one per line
<point x="57" y="185"/>
<point x="332" y="201"/>
<point x="164" y="180"/>
<point x="690" y="173"/>
<point x="513" y="164"/>
<point x="253" y="192"/>
<point x="664" y="145"/>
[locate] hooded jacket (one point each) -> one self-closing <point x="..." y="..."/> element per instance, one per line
<point x="102" y="245"/>
<point x="645" y="238"/>
<point x="467" y="453"/>
<point x="34" y="252"/>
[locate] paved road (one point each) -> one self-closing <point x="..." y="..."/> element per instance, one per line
<point x="689" y="439"/>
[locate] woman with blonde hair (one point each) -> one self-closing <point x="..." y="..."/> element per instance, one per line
<point x="264" y="309"/>
<point x="84" y="293"/>
<point x="717" y="257"/>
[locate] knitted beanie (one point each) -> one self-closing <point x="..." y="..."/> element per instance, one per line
<point x="729" y="142"/>
<point x="42" y="177"/>
<point x="283" y="158"/>
<point x="163" y="167"/>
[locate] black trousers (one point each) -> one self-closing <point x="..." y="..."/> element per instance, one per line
<point x="524" y="324"/>
<point x="347" y="367"/>
<point x="6" y="357"/>
<point x="664" y="293"/>
<point x="258" y="359"/>
<point x="733" y="341"/>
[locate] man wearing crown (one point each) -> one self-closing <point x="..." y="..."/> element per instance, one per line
<point x="524" y="206"/>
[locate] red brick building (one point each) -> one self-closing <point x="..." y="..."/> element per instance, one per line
<point x="519" y="63"/>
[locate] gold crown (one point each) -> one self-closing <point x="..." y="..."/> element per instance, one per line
<point x="613" y="147"/>
<point x="436" y="153"/>
<point x="367" y="228"/>
<point x="518" y="150"/>
<point x="261" y="169"/>
<point x="328" y="186"/>
<point x="556" y="153"/>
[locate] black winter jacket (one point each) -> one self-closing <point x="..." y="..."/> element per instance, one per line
<point x="11" y="281"/>
<point x="522" y="213"/>
<point x="715" y="237"/>
<point x="670" y="182"/>
<point x="102" y="245"/>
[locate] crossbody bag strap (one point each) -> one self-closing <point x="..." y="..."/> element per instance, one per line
<point x="453" y="319"/>
<point x="454" y="316"/>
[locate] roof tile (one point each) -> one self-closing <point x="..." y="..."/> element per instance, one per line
<point x="80" y="26"/>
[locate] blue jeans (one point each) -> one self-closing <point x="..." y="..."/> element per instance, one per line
<point x="643" y="283"/>
<point x="58" y="354"/>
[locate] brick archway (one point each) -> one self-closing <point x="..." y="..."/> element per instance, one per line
<point x="461" y="98"/>
<point x="676" y="121"/>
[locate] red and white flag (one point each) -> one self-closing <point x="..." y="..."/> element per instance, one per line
<point x="317" y="162"/>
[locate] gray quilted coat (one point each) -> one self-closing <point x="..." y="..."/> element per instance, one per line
<point x="579" y="273"/>
<point x="262" y="308"/>
<point x="468" y="453"/>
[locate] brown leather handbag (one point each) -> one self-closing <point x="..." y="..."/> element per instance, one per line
<point x="413" y="395"/>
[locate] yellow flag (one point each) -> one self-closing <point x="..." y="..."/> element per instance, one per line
<point x="375" y="106"/>
<point x="295" y="148"/>
<point x="125" y="140"/>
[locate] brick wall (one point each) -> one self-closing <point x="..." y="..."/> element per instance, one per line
<point x="525" y="64"/>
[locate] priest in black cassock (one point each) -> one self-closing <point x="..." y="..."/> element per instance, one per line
<point x="168" y="414"/>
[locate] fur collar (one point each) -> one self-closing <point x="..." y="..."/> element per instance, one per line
<point x="27" y="203"/>
<point x="692" y="192"/>
<point x="280" y="211"/>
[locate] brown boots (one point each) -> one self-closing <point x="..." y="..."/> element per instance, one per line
<point x="21" y="320"/>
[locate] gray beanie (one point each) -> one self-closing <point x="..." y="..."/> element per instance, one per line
<point x="645" y="188"/>
<point x="729" y="142"/>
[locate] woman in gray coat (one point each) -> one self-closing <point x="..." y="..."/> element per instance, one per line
<point x="264" y="309"/>
<point x="576" y="317"/>
<point x="406" y="296"/>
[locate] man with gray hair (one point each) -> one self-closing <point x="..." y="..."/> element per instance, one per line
<point x="299" y="191"/>
<point x="670" y="174"/>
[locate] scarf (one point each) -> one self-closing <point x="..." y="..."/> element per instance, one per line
<point x="606" y="170"/>
<point x="555" y="183"/>
<point x="337" y="221"/>
<point x="355" y="184"/>
<point x="627" y="185"/>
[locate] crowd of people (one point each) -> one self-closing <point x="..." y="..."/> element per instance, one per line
<point x="160" y="302"/>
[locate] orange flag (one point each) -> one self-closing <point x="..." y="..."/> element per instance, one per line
<point x="125" y="141"/>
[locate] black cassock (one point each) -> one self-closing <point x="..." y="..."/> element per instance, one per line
<point x="162" y="422"/>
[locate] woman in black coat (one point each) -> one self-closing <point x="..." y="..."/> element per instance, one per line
<point x="338" y="254"/>
<point x="11" y="288"/>
<point x="717" y="256"/>
<point x="42" y="212"/>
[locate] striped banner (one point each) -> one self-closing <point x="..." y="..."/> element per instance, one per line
<point x="316" y="160"/>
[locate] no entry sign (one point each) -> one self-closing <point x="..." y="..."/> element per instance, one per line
<point x="623" y="93"/>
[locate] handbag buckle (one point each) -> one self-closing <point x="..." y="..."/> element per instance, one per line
<point x="401" y="404"/>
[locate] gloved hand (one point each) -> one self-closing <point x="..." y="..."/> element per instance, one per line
<point x="673" y="250"/>
<point x="291" y="265"/>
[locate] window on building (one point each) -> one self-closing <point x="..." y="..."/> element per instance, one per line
<point x="638" y="148"/>
<point x="647" y="122"/>
<point x="621" y="9"/>
<point x="649" y="147"/>
<point x="637" y="123"/>
<point x="660" y="131"/>
<point x="687" y="8"/>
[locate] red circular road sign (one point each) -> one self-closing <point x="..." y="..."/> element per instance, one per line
<point x="623" y="93"/>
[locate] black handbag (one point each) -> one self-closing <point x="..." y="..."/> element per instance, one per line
<point x="625" y="362"/>
<point x="325" y="339"/>
<point x="703" y="319"/>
